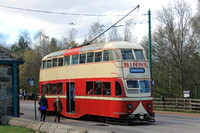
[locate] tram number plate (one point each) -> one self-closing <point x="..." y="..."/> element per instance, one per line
<point x="137" y="70"/>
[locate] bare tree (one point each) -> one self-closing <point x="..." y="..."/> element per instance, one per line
<point x="127" y="31"/>
<point x="3" y="39"/>
<point x="114" y="35"/>
<point x="95" y="30"/>
<point x="172" y="49"/>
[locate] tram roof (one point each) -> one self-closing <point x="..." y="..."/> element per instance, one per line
<point x="110" y="45"/>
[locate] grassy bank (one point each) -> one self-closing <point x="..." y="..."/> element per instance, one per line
<point x="14" y="129"/>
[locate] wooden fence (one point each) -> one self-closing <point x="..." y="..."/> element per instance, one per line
<point x="177" y="104"/>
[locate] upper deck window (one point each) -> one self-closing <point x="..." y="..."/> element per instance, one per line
<point x="60" y="61"/>
<point x="114" y="55"/>
<point x="127" y="54"/>
<point x="49" y="63"/>
<point x="98" y="56"/>
<point x="90" y="57"/>
<point x="74" y="59"/>
<point x="55" y="62"/>
<point x="82" y="58"/>
<point x="106" y="55"/>
<point x="67" y="60"/>
<point x="139" y="55"/>
<point x="44" y="64"/>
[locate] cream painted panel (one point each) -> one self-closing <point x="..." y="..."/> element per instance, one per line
<point x="96" y="70"/>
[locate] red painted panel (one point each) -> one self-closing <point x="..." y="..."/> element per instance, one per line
<point x="72" y="51"/>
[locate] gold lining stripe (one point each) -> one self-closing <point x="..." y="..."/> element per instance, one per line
<point x="104" y="98"/>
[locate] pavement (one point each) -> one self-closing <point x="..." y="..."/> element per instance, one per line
<point x="47" y="127"/>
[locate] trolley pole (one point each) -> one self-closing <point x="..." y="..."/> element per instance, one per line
<point x="150" y="65"/>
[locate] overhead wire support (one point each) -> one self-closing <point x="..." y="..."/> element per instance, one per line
<point x="58" y="13"/>
<point x="111" y="26"/>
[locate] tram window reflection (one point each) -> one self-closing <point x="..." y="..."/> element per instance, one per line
<point x="106" y="55"/>
<point x="74" y="59"/>
<point x="48" y="63"/>
<point x="106" y="88"/>
<point x="60" y="61"/>
<point x="54" y="88"/>
<point x="60" y="88"/>
<point x="48" y="88"/>
<point x="118" y="89"/>
<point x="97" y="88"/>
<point x="55" y="62"/>
<point x="43" y="87"/>
<point x="89" y="87"/>
<point x="90" y="57"/>
<point x="82" y="58"/>
<point x="127" y="54"/>
<point x="98" y="56"/>
<point x="139" y="55"/>
<point x="114" y="55"/>
<point x="67" y="60"/>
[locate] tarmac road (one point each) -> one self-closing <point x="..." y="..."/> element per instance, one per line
<point x="166" y="122"/>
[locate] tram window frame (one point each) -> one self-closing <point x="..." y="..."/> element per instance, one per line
<point x="107" y="88"/>
<point x="54" y="89"/>
<point x="140" y="55"/>
<point x="106" y="55"/>
<point x="43" y="89"/>
<point x="98" y="56"/>
<point x="89" y="87"/>
<point x="48" y="88"/>
<point x="82" y="58"/>
<point x="55" y="61"/>
<point x="113" y="55"/>
<point x="74" y="59"/>
<point x="67" y="60"/>
<point x="60" y="88"/>
<point x="97" y="88"/>
<point x="44" y="64"/>
<point x="90" y="57"/>
<point x="118" y="89"/>
<point x="130" y="84"/>
<point x="49" y="63"/>
<point x="60" y="61"/>
<point x="126" y="55"/>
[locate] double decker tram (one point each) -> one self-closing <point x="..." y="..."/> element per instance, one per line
<point x="109" y="81"/>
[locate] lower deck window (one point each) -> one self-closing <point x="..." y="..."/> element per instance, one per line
<point x="89" y="88"/>
<point x="97" y="89"/>
<point x="118" y="89"/>
<point x="106" y="88"/>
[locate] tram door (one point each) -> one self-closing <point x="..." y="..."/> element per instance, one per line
<point x="70" y="97"/>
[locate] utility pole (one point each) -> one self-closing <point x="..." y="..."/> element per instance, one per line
<point x="150" y="66"/>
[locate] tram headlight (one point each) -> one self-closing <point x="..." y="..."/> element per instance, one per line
<point x="129" y="106"/>
<point x="149" y="105"/>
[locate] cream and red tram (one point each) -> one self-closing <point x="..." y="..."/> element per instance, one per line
<point x="110" y="80"/>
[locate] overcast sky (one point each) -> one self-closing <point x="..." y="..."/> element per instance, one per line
<point x="12" y="21"/>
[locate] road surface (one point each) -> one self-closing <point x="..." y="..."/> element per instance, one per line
<point x="166" y="122"/>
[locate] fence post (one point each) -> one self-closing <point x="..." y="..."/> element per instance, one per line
<point x="190" y="101"/>
<point x="176" y="104"/>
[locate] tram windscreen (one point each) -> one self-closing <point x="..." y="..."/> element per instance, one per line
<point x="132" y="84"/>
<point x="127" y="54"/>
<point x="144" y="86"/>
<point x="139" y="55"/>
